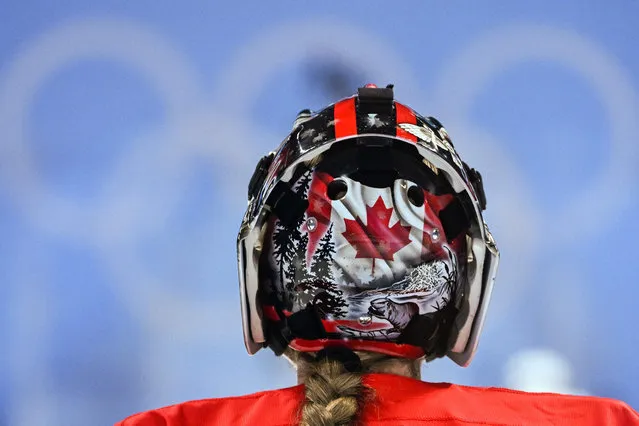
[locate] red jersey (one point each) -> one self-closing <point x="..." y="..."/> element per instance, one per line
<point x="399" y="400"/>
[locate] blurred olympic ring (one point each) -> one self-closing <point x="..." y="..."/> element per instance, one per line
<point x="604" y="196"/>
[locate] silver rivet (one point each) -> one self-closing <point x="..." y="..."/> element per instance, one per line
<point x="434" y="235"/>
<point x="365" y="319"/>
<point x="311" y="224"/>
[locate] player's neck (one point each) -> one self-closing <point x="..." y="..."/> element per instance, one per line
<point x="373" y="363"/>
<point x="400" y="367"/>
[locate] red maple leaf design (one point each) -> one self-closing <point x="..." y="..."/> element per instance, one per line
<point x="375" y="239"/>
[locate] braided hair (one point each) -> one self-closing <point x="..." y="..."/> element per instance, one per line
<point x="334" y="391"/>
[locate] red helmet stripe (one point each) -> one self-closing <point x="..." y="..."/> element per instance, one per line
<point x="319" y="207"/>
<point x="393" y="349"/>
<point x="433" y="204"/>
<point x="405" y="115"/>
<point x="332" y="326"/>
<point x="345" y="118"/>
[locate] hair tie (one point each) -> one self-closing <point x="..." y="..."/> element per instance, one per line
<point x="345" y="356"/>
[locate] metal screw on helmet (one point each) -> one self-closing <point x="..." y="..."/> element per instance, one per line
<point x="365" y="319"/>
<point x="311" y="224"/>
<point x="434" y="235"/>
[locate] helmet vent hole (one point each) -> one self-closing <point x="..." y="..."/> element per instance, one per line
<point x="415" y="196"/>
<point x="337" y="189"/>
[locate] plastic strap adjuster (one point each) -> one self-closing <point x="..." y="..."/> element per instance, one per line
<point x="261" y="169"/>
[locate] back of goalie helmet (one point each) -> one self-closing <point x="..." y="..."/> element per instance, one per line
<point x="364" y="230"/>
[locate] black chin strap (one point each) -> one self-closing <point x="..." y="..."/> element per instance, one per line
<point x="304" y="324"/>
<point x="430" y="331"/>
<point x="347" y="357"/>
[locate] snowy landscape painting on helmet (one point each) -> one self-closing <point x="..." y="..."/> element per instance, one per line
<point x="368" y="258"/>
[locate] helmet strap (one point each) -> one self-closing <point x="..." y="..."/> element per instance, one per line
<point x="344" y="355"/>
<point x="304" y="324"/>
<point x="430" y="331"/>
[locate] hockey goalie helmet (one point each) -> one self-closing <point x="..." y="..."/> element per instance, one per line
<point x="365" y="230"/>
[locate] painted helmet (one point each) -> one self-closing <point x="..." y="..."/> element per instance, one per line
<point x="364" y="230"/>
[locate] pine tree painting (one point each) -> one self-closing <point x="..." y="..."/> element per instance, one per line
<point x="302" y="185"/>
<point x="297" y="271"/>
<point x="288" y="242"/>
<point x="281" y="252"/>
<point x="329" y="299"/>
<point x="299" y="275"/>
<point x="316" y="284"/>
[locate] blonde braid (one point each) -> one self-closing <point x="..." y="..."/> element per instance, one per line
<point x="333" y="394"/>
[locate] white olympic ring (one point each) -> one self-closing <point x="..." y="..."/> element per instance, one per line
<point x="119" y="41"/>
<point x="489" y="55"/>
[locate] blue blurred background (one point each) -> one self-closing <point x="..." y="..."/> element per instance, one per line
<point x="129" y="130"/>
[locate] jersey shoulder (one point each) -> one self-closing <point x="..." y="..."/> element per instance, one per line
<point x="443" y="403"/>
<point x="279" y="404"/>
<point x="560" y="409"/>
